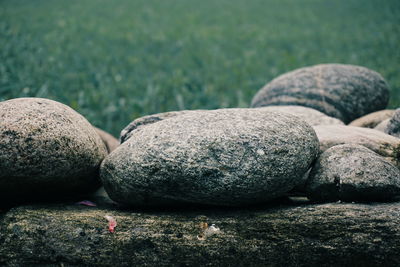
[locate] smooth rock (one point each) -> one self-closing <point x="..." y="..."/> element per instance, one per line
<point x="383" y="144"/>
<point x="382" y="126"/>
<point x="229" y="157"/>
<point x="353" y="173"/>
<point x="310" y="115"/>
<point x="109" y="141"/>
<point x="373" y="119"/>
<point x="392" y="127"/>
<point x="345" y="92"/>
<point x="288" y="235"/>
<point x="47" y="150"/>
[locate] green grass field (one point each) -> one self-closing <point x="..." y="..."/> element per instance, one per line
<point x="116" y="60"/>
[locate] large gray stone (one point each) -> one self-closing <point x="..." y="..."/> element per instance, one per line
<point x="287" y="235"/>
<point x="345" y="92"/>
<point x="353" y="173"/>
<point x="228" y="157"/>
<point x="311" y="116"/>
<point x="47" y="150"/>
<point x="373" y="119"/>
<point x="383" y="144"/>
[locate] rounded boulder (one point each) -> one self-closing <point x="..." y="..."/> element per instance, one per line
<point x="383" y="144"/>
<point x="226" y="157"/>
<point x="353" y="173"/>
<point x="47" y="150"/>
<point x="346" y="92"/>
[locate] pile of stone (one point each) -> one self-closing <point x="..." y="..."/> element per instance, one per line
<point x="292" y="141"/>
<point x="356" y="163"/>
<point x="293" y="137"/>
<point x="236" y="157"/>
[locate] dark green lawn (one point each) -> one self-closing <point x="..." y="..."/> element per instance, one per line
<point x="115" y="60"/>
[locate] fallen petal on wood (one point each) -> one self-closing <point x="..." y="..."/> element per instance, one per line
<point x="87" y="203"/>
<point x="112" y="223"/>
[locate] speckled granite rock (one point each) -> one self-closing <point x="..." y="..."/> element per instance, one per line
<point x="226" y="157"/>
<point x="47" y="150"/>
<point x="345" y="92"/>
<point x="288" y="235"/>
<point x="383" y="144"/>
<point x="373" y="119"/>
<point x="353" y="173"/>
<point x="110" y="141"/>
<point x="310" y="115"/>
<point x="391" y="126"/>
<point x="127" y="132"/>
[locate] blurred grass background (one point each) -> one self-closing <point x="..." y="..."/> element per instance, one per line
<point x="114" y="61"/>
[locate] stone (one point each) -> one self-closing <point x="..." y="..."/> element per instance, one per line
<point x="310" y="115"/>
<point x="48" y="150"/>
<point x="353" y="173"/>
<point x="150" y="119"/>
<point x="373" y="119"/>
<point x="383" y="144"/>
<point x="392" y="126"/>
<point x="345" y="92"/>
<point x="109" y="141"/>
<point x="382" y="126"/>
<point x="292" y="234"/>
<point x="101" y="192"/>
<point x="229" y="157"/>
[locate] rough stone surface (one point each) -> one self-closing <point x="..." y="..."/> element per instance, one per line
<point x="310" y="115"/>
<point x="353" y="173"/>
<point x="373" y="119"/>
<point x="47" y="149"/>
<point x="226" y="157"/>
<point x="345" y="92"/>
<point x="110" y="141"/>
<point x="286" y="235"/>
<point x="126" y="133"/>
<point x="383" y="144"/>
<point x="392" y="127"/>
